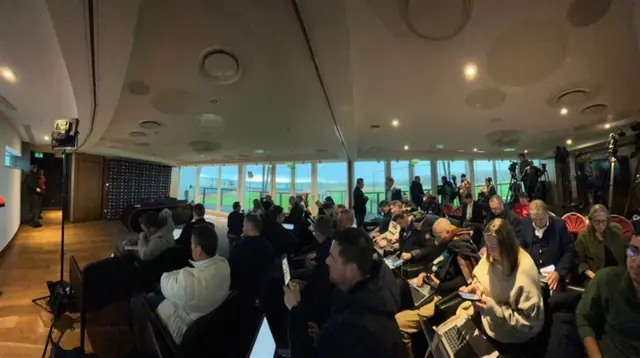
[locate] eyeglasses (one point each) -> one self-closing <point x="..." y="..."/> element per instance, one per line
<point x="599" y="222"/>
<point x="633" y="251"/>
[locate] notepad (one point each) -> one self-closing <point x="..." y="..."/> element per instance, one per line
<point x="548" y="269"/>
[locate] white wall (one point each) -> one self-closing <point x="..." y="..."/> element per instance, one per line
<point x="175" y="183"/>
<point x="10" y="185"/>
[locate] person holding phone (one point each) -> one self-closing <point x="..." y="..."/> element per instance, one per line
<point x="509" y="299"/>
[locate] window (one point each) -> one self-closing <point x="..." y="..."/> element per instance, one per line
<point x="257" y="180"/>
<point x="303" y="178"/>
<point x="423" y="170"/>
<point x="332" y="181"/>
<point x="481" y="170"/>
<point x="209" y="187"/>
<point x="373" y="175"/>
<point x="228" y="187"/>
<point x="400" y="174"/>
<point x="503" y="178"/>
<point x="283" y="185"/>
<point x="187" y="184"/>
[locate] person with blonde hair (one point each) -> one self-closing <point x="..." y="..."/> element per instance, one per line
<point x="546" y="239"/>
<point x="506" y="280"/>
<point x="600" y="244"/>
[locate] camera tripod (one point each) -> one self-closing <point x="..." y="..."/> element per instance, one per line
<point x="514" y="189"/>
<point x="542" y="186"/>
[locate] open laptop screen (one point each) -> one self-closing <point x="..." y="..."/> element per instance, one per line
<point x="264" y="345"/>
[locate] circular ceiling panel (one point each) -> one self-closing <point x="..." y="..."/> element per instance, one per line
<point x="437" y="19"/>
<point x="583" y="13"/>
<point x="138" y="88"/>
<point x="504" y="138"/>
<point x="220" y="66"/>
<point x="137" y="134"/>
<point x="150" y="124"/>
<point x="174" y="101"/>
<point x="526" y="54"/>
<point x="486" y="98"/>
<point x="594" y="109"/>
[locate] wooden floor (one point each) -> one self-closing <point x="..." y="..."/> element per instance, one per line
<point x="33" y="258"/>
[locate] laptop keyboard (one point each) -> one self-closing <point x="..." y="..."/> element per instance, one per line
<point x="416" y="295"/>
<point x="455" y="338"/>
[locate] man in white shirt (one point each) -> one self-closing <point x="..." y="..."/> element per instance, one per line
<point x="192" y="292"/>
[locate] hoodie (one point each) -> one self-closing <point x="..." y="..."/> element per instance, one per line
<point x="362" y="322"/>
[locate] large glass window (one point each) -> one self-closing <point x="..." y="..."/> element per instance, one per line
<point x="283" y="185"/>
<point x="303" y="178"/>
<point x="228" y="187"/>
<point x="209" y="187"/>
<point x="481" y="170"/>
<point x="187" y="184"/>
<point x="423" y="170"/>
<point x="503" y="178"/>
<point x="400" y="174"/>
<point x="373" y="175"/>
<point x="332" y="181"/>
<point x="257" y="179"/>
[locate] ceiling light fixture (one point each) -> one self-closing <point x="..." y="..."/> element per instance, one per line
<point x="8" y="75"/>
<point x="46" y="137"/>
<point x="395" y="122"/>
<point x="475" y="149"/>
<point x="406" y="147"/>
<point x="509" y="149"/>
<point x="564" y="111"/>
<point x="526" y="151"/>
<point x="439" y="146"/>
<point x="607" y="126"/>
<point x="569" y="141"/>
<point x="470" y="71"/>
<point x="259" y="151"/>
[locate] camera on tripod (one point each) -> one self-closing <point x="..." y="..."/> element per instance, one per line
<point x="513" y="167"/>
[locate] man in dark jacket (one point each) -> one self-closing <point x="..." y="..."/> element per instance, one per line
<point x="362" y="322"/>
<point x="391" y="192"/>
<point x="297" y="211"/>
<point x="471" y="210"/>
<point x="235" y="221"/>
<point x="496" y="204"/>
<point x="360" y="203"/>
<point x="417" y="192"/>
<point x="184" y="240"/>
<point x="33" y="191"/>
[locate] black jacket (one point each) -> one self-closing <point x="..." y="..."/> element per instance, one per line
<point x="511" y="217"/>
<point x="32" y="182"/>
<point x="295" y="214"/>
<point x="235" y="221"/>
<point x="362" y="322"/>
<point x="185" y="236"/>
<point x="396" y="194"/>
<point x="554" y="248"/>
<point x="385" y="221"/>
<point x="477" y="215"/>
<point x="359" y="201"/>
<point x="417" y="193"/>
<point x="251" y="261"/>
<point x="281" y="239"/>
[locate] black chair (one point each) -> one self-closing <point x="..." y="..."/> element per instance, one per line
<point x="220" y="333"/>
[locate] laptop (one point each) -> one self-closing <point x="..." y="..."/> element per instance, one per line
<point x="393" y="261"/>
<point x="458" y="337"/>
<point x="420" y="295"/>
<point x="264" y="345"/>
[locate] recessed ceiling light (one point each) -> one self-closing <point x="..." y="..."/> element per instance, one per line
<point x="259" y="151"/>
<point x="439" y="146"/>
<point x="526" y="151"/>
<point x="481" y="151"/>
<point x="461" y="150"/>
<point x="470" y="71"/>
<point x="46" y="137"/>
<point x="569" y="141"/>
<point x="607" y="126"/>
<point x="8" y="75"/>
<point x="406" y="147"/>
<point x="475" y="149"/>
<point x="395" y="122"/>
<point x="564" y="111"/>
<point x="509" y="149"/>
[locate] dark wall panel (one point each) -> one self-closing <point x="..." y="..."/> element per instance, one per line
<point x="130" y="182"/>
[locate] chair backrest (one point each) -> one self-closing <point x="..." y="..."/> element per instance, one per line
<point x="447" y="209"/>
<point x="575" y="222"/>
<point x="457" y="211"/>
<point x="627" y="226"/>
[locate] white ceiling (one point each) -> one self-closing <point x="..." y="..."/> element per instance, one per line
<point x="374" y="69"/>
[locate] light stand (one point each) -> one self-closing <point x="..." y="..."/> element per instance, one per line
<point x="612" y="153"/>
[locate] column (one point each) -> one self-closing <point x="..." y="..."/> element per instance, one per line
<point x="350" y="184"/>
<point x="292" y="182"/>
<point x="434" y="178"/>
<point x="314" y="188"/>
<point x="219" y="190"/>
<point x="272" y="184"/>
<point x="196" y="191"/>
<point x="471" y="176"/>
<point x="241" y="184"/>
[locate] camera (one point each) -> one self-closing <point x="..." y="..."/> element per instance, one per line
<point x="513" y="167"/>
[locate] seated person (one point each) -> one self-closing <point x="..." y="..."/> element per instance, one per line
<point x="192" y="292"/>
<point x="281" y="239"/>
<point x="521" y="208"/>
<point x="451" y="270"/>
<point x="511" y="305"/>
<point x="235" y="220"/>
<point x="600" y="244"/>
<point x="266" y="202"/>
<point x="608" y="316"/>
<point x="496" y="204"/>
<point x="251" y="260"/>
<point x="156" y="235"/>
<point x="346" y="219"/>
<point x="389" y="238"/>
<point x="408" y="204"/>
<point x="198" y="219"/>
<point x="546" y="239"/>
<point x="361" y="323"/>
<point x="471" y="210"/>
<point x="430" y="205"/>
<point x="385" y="210"/>
<point x="297" y="210"/>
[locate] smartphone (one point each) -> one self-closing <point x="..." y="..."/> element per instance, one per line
<point x="469" y="296"/>
<point x="285" y="269"/>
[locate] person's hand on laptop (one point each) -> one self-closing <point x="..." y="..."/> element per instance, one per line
<point x="419" y="281"/>
<point x="291" y="295"/>
<point x="406" y="256"/>
<point x="434" y="280"/>
<point x="553" y="278"/>
<point x="382" y="243"/>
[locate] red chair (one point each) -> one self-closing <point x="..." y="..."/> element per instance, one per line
<point x="447" y="209"/>
<point x="627" y="226"/>
<point x="575" y="222"/>
<point x="457" y="211"/>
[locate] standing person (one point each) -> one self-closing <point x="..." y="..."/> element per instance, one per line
<point x="43" y="185"/>
<point x="416" y="191"/>
<point x="392" y="193"/>
<point x="32" y="188"/>
<point x="360" y="203"/>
